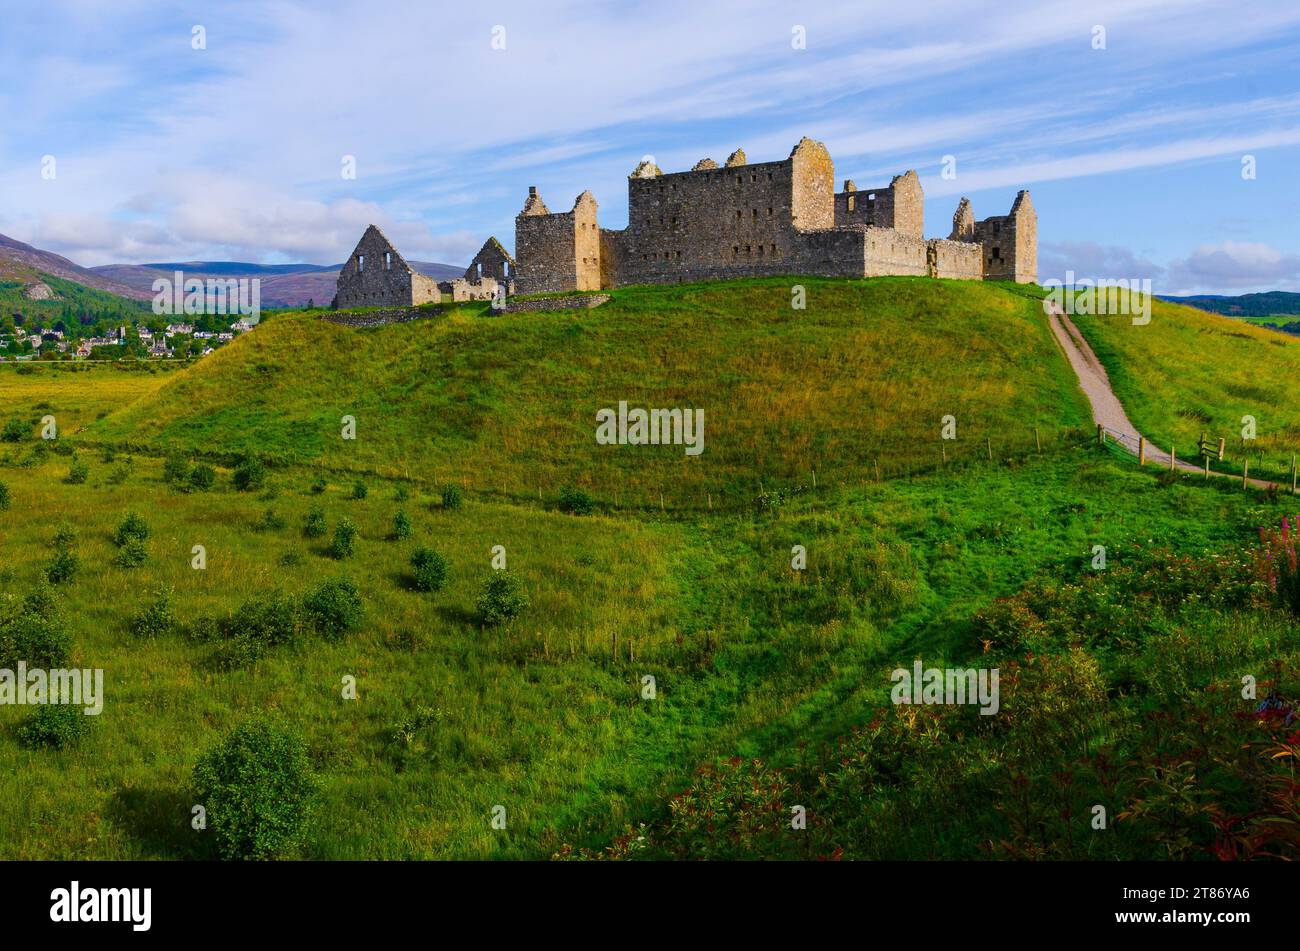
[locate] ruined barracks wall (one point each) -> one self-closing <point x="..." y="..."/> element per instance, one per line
<point x="557" y="252"/>
<point x="958" y="260"/>
<point x="900" y="206"/>
<point x="1010" y="243"/>
<point x="892" y="252"/>
<point x="377" y="276"/>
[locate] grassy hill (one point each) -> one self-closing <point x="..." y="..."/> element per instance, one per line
<point x="1189" y="372"/>
<point x="858" y="381"/>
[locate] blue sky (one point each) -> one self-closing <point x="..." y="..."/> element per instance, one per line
<point x="1133" y="153"/>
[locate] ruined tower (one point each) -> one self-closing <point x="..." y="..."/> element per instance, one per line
<point x="557" y="252"/>
<point x="1010" y="243"/>
<point x="376" y="275"/>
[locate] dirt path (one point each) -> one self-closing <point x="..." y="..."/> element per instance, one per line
<point x="1107" y="411"/>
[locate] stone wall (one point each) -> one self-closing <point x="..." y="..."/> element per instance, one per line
<point x="1010" y="243"/>
<point x="900" y="206"/>
<point x="377" y="318"/>
<point x="956" y="259"/>
<point x="891" y="252"/>
<point x="375" y="275"/>
<point x="545" y="246"/>
<point x="576" y="302"/>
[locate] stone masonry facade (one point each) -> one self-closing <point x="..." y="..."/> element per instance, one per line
<point x="712" y="223"/>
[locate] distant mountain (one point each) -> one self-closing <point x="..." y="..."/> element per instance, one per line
<point x="22" y="262"/>
<point x="283" y="285"/>
<point x="1245" y="305"/>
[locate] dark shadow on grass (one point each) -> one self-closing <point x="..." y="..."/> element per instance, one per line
<point x="159" y="821"/>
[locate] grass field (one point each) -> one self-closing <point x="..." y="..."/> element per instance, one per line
<point x="773" y="684"/>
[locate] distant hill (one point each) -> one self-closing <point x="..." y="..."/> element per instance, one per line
<point x="22" y="262"/>
<point x="1246" y="305"/>
<point x="283" y="285"/>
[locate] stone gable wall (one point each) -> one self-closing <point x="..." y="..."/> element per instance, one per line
<point x="377" y="276"/>
<point x="545" y="249"/>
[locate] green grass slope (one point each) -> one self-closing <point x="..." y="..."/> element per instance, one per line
<point x="860" y="378"/>
<point x="1189" y="372"/>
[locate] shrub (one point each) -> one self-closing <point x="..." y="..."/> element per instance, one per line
<point x="452" y="497"/>
<point x="203" y="477"/>
<point x="53" y="726"/>
<point x="314" y="524"/>
<point x="345" y="534"/>
<point x="503" y="598"/>
<point x="270" y="522"/>
<point x="63" y="566"/>
<point x="576" y="501"/>
<point x="15" y="430"/>
<point x="157" y="619"/>
<point x="5" y="497"/>
<point x="175" y="470"/>
<point x="401" y="525"/>
<point x="318" y="485"/>
<point x="334" y="608"/>
<point x="290" y="559"/>
<point x="249" y="475"/>
<point x="119" y="474"/>
<point x="401" y="493"/>
<point x="132" y="528"/>
<point x="271" y="620"/>
<point x="359" y="491"/>
<point x="430" y="569"/>
<point x="257" y="787"/>
<point x="77" y="473"/>
<point x="133" y="554"/>
<point x="33" y="631"/>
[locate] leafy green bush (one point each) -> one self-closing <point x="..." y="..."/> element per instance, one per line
<point x="452" y="497"/>
<point x="132" y="528"/>
<point x="345" y="535"/>
<point x="202" y="477"/>
<point x="334" y="608"/>
<point x="576" y="501"/>
<point x="176" y="470"/>
<point x="271" y="521"/>
<point x="318" y="485"/>
<point x="257" y="787"/>
<point x="156" y="619"/>
<point x="271" y="620"/>
<point x="359" y="491"/>
<point x="249" y="475"/>
<point x="133" y="554"/>
<point x="313" y="525"/>
<point x="33" y="630"/>
<point x="401" y="493"/>
<point x="63" y="566"/>
<point x="503" y="598"/>
<point x="15" y="430"/>
<point x="53" y="726"/>
<point x="430" y="569"/>
<point x="401" y="526"/>
<point x="5" y="497"/>
<point x="78" y="472"/>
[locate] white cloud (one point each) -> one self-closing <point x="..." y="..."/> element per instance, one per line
<point x="1237" y="265"/>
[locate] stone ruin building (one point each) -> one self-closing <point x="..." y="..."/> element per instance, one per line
<point x="375" y="275"/>
<point x="736" y="220"/>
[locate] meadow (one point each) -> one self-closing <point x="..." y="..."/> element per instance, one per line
<point x="772" y="685"/>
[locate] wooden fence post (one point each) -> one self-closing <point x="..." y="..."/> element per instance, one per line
<point x="1173" y="458"/>
<point x="1221" y="442"/>
<point x="1293" y="474"/>
<point x="988" y="441"/>
<point x="1207" y="467"/>
<point x="1142" y="451"/>
<point x="1245" y="472"/>
<point x="1101" y="435"/>
<point x="1037" y="442"/>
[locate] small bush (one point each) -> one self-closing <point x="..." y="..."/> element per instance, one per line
<point x="401" y="526"/>
<point x="157" y="619"/>
<point x="452" y="497"/>
<point x="133" y="554"/>
<point x="290" y="559"/>
<point x="318" y="485"/>
<point x="78" y="472"/>
<point x="202" y="477"/>
<point x="5" y="497"/>
<point x="334" y="608"/>
<point x="132" y="528"/>
<point x="33" y="631"/>
<point x="249" y="475"/>
<point x="176" y="471"/>
<point x="345" y="535"/>
<point x="313" y="525"/>
<point x="359" y="491"/>
<point x="53" y="726"/>
<point x="401" y="493"/>
<point x="257" y="787"/>
<point x="270" y="521"/>
<point x="576" y="501"/>
<point x="119" y="474"/>
<point x="63" y="566"/>
<point x="15" y="430"/>
<point x="503" y="598"/>
<point x="430" y="569"/>
<point x="271" y="620"/>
